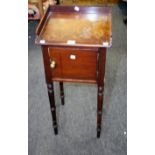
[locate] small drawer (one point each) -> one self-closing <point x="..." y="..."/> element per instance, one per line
<point x="73" y="63"/>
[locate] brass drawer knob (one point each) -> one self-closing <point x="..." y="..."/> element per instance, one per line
<point x="53" y="64"/>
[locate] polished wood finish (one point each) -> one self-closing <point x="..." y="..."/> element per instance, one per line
<point x="40" y="5"/>
<point x="52" y="106"/>
<point x="86" y="29"/>
<point x="81" y="66"/>
<point x="75" y="80"/>
<point x="83" y="59"/>
<point x="89" y="26"/>
<point x="100" y="85"/>
<point x="89" y="2"/>
<point x="62" y="96"/>
<point x="47" y="68"/>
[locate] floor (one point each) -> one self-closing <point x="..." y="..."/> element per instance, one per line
<point x="77" y="118"/>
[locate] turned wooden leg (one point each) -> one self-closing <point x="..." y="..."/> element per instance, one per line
<point x="62" y="93"/>
<point x="101" y="73"/>
<point x="99" y="109"/>
<point x="52" y="106"/>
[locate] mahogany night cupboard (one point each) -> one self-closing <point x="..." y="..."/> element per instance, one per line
<point x="74" y="42"/>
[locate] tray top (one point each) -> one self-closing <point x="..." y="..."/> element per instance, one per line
<point x="76" y="26"/>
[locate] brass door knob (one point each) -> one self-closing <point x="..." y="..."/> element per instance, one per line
<point x="53" y="64"/>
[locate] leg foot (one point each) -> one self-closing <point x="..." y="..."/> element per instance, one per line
<point x="98" y="131"/>
<point x="56" y="130"/>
